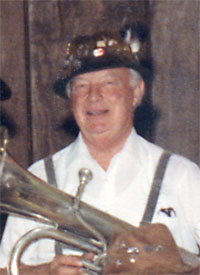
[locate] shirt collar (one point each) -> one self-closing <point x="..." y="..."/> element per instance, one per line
<point x="131" y="150"/>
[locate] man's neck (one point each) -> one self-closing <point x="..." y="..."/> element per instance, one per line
<point x="103" y="150"/>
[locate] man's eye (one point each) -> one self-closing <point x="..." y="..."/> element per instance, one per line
<point x="80" y="87"/>
<point x="110" y="82"/>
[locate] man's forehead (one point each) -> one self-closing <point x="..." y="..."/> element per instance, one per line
<point x="113" y="72"/>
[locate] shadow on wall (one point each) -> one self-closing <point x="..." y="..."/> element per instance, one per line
<point x="5" y="120"/>
<point x="145" y="119"/>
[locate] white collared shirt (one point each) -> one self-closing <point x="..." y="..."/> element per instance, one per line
<point x="121" y="191"/>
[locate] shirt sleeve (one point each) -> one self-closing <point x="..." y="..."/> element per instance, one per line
<point x="189" y="197"/>
<point x="181" y="193"/>
<point x="192" y="201"/>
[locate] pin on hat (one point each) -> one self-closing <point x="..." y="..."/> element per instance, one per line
<point x="102" y="51"/>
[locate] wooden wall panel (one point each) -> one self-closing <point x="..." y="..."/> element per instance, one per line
<point x="176" y="90"/>
<point x="13" y="112"/>
<point x="12" y="72"/>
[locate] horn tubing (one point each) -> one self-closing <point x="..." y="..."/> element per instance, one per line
<point x="22" y="191"/>
<point x="52" y="233"/>
<point x="24" y="194"/>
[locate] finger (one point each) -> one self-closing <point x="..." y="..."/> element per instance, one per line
<point x="67" y="270"/>
<point x="88" y="256"/>
<point x="69" y="260"/>
<point x="62" y="264"/>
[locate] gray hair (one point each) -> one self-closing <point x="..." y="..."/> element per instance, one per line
<point x="134" y="78"/>
<point x="68" y="89"/>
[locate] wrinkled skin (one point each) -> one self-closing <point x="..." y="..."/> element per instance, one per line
<point x="103" y="104"/>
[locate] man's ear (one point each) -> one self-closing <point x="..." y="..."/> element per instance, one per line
<point x="138" y="93"/>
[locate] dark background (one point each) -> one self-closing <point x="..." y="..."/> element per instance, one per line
<point x="33" y="36"/>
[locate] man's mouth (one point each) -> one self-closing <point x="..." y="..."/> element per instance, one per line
<point x="97" y="113"/>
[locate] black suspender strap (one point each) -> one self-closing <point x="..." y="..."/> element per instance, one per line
<point x="51" y="177"/>
<point x="155" y="188"/>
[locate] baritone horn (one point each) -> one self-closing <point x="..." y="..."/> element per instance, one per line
<point x="70" y="220"/>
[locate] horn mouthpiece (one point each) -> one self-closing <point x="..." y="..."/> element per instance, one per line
<point x="85" y="175"/>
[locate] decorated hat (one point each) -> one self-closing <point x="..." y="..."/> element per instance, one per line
<point x="102" y="51"/>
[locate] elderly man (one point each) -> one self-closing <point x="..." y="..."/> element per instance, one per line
<point x="105" y="85"/>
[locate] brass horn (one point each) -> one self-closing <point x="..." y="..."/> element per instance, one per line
<point x="71" y="221"/>
<point x="74" y="222"/>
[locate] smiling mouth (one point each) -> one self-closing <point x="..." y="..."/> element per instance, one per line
<point x="97" y="113"/>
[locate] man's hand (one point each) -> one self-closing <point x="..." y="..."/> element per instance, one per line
<point x="60" y="265"/>
<point x="69" y="265"/>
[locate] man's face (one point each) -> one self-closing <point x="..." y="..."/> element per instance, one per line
<point x="102" y="103"/>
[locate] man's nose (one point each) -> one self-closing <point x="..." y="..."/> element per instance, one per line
<point x="95" y="93"/>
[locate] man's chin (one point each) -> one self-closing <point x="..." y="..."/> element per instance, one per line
<point x="96" y="133"/>
<point x="98" y="129"/>
<point x="99" y="132"/>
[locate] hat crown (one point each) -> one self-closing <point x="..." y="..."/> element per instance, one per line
<point x="103" y="50"/>
<point x="99" y="51"/>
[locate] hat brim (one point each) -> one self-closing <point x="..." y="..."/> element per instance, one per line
<point x="59" y="86"/>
